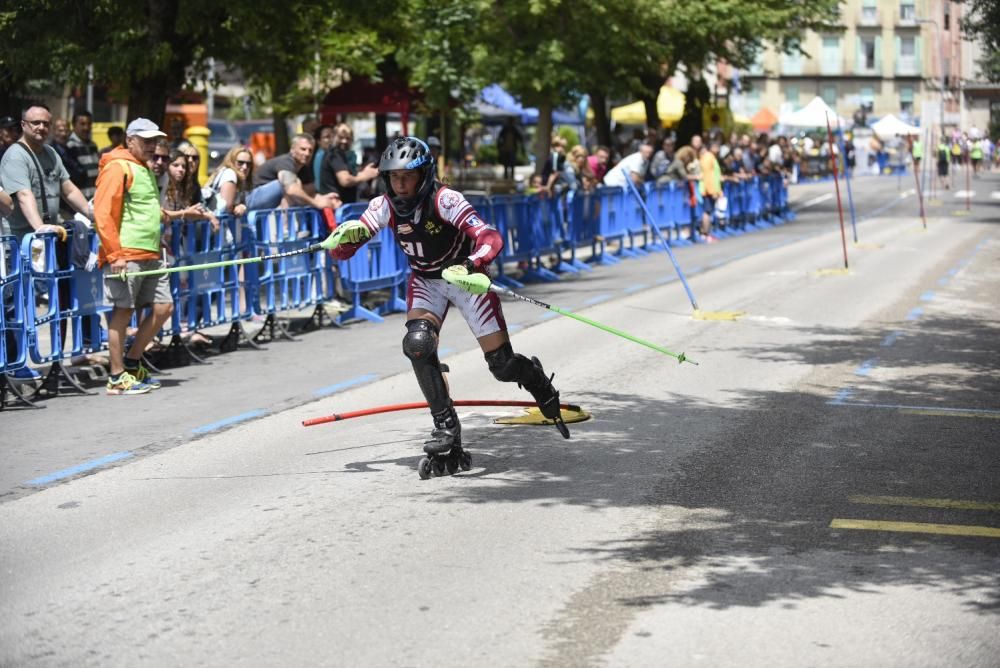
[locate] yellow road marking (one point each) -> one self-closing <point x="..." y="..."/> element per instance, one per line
<point x="923" y="503"/>
<point x="926" y="411"/>
<point x="718" y="315"/>
<point x="918" y="527"/>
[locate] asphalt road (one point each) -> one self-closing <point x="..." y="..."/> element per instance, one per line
<point x="821" y="490"/>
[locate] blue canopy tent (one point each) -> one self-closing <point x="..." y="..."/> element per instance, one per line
<point x="497" y="97"/>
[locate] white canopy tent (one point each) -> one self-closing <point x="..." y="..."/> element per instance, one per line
<point x="889" y="127"/>
<point x="813" y="115"/>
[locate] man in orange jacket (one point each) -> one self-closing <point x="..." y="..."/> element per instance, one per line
<point x="127" y="217"/>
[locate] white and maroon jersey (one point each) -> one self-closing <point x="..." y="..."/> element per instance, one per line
<point x="435" y="237"/>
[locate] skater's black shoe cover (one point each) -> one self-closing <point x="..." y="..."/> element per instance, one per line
<point x="447" y="433"/>
<point x="547" y="398"/>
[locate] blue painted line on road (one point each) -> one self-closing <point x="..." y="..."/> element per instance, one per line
<point x="368" y="377"/>
<point x="242" y="417"/>
<point x="514" y="327"/>
<point x="882" y="208"/>
<point x="80" y="468"/>
<point x="927" y="296"/>
<point x="914" y="313"/>
<point x="944" y="281"/>
<point x="866" y="367"/>
<point x="903" y="407"/>
<point x="665" y="279"/>
<point x="444" y="351"/>
<point x="891" y="339"/>
<point x="841" y="397"/>
<point x="953" y="271"/>
<point x="694" y="270"/>
<point x="548" y="316"/>
<point x="597" y="300"/>
<point x="635" y="288"/>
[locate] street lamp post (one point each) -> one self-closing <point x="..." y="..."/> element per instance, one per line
<point x="937" y="32"/>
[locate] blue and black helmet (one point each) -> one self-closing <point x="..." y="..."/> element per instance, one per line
<point x="408" y="153"/>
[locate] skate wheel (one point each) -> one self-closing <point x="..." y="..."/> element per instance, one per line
<point x="452" y="462"/>
<point x="465" y="461"/>
<point x="424" y="468"/>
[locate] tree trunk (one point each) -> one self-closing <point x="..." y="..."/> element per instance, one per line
<point x="602" y="123"/>
<point x="147" y="96"/>
<point x="652" y="113"/>
<point x="282" y="143"/>
<point x="543" y="135"/>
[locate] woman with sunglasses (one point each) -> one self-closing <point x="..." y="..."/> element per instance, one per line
<point x="180" y="198"/>
<point x="232" y="180"/>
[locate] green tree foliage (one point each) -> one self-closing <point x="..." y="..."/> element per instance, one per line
<point x="283" y="48"/>
<point x="982" y="22"/>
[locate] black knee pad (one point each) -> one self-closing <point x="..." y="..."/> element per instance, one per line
<point x="420" y="342"/>
<point x="509" y="367"/>
<point x="420" y="345"/>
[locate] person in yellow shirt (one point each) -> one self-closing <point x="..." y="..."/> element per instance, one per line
<point x="711" y="187"/>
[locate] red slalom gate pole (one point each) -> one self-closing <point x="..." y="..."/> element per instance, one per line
<point x="338" y="417"/>
<point x="920" y="196"/>
<point x="836" y="183"/>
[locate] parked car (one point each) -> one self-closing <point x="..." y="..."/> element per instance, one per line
<point x="224" y="136"/>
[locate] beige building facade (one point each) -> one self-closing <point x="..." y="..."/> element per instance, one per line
<point x="891" y="57"/>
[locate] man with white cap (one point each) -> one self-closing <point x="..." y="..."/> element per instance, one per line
<point x="127" y="218"/>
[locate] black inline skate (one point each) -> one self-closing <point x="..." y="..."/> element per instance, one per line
<point x="547" y="398"/>
<point x="444" y="448"/>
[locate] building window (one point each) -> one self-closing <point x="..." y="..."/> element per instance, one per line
<point x="868" y="54"/>
<point x="867" y="97"/>
<point x="791" y="63"/>
<point x="830" y="56"/>
<point x="829" y="95"/>
<point x="907" y="12"/>
<point x="869" y="12"/>
<point x="907" y="56"/>
<point x="792" y="95"/>
<point x="753" y="102"/>
<point x="757" y="68"/>
<point x="906" y="100"/>
<point x="947" y="17"/>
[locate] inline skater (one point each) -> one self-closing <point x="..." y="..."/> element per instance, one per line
<point x="437" y="228"/>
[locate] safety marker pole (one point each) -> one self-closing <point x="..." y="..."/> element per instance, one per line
<point x="659" y="235"/>
<point x="698" y="313"/>
<point x="212" y="265"/>
<point x="337" y="417"/>
<point x="847" y="178"/>
<point x="836" y="183"/>
<point x="920" y="198"/>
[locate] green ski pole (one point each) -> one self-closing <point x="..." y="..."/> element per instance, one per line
<point x="477" y="283"/>
<point x="212" y="265"/>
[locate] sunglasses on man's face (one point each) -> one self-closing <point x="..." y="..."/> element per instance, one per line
<point x="243" y="163"/>
<point x="161" y="158"/>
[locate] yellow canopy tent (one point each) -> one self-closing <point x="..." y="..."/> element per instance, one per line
<point x="669" y="104"/>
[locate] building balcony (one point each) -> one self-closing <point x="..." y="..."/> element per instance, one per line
<point x="862" y="71"/>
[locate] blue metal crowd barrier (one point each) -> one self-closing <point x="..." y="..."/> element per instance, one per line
<point x="13" y="319"/>
<point x="378" y="265"/>
<point x="85" y="290"/>
<point x="294" y="282"/>
<point x="205" y="297"/>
